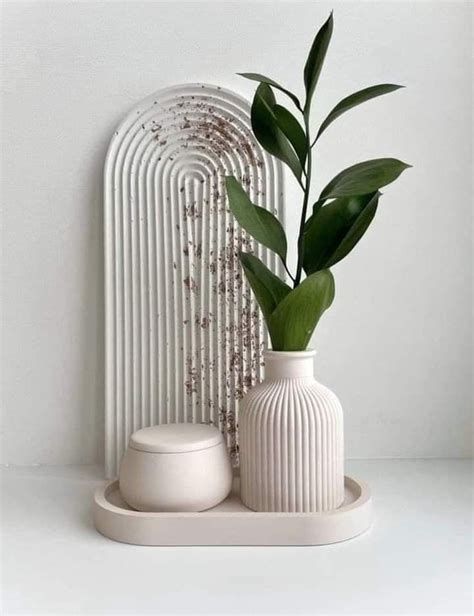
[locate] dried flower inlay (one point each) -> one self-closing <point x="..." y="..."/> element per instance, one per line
<point x="184" y="337"/>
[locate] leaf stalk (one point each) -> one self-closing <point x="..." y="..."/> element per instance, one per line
<point x="287" y="270"/>
<point x="309" y="162"/>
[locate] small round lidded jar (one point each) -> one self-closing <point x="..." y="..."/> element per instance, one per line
<point x="175" y="467"/>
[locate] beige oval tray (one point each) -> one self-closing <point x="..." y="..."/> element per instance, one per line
<point x="231" y="523"/>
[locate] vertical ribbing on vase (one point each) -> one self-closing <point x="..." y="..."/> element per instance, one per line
<point x="291" y="447"/>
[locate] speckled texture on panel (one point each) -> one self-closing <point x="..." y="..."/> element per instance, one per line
<point x="184" y="333"/>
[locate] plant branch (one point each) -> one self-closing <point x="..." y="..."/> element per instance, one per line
<point x="307" y="188"/>
<point x="287" y="270"/>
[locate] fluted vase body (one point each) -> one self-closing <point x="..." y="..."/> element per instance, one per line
<point x="291" y="439"/>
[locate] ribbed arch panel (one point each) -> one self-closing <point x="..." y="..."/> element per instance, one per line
<point x="184" y="337"/>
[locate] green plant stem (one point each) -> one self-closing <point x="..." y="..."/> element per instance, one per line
<point x="307" y="188"/>
<point x="287" y="270"/>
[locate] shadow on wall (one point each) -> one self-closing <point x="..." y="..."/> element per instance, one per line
<point x="91" y="348"/>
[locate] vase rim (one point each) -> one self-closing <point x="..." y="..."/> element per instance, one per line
<point x="290" y="354"/>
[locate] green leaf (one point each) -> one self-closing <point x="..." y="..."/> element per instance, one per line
<point x="316" y="207"/>
<point x="271" y="82"/>
<point x="293" y="131"/>
<point x="315" y="60"/>
<point x="335" y="229"/>
<point x="259" y="222"/>
<point x="294" y="319"/>
<point x="364" y="178"/>
<point x="267" y="287"/>
<point x="356" y="99"/>
<point x="267" y="131"/>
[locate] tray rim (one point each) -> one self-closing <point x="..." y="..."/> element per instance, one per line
<point x="100" y="500"/>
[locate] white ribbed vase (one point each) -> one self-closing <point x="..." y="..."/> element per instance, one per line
<point x="291" y="439"/>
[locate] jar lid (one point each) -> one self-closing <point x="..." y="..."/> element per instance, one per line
<point x="175" y="438"/>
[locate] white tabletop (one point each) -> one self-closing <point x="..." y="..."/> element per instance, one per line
<point x="415" y="560"/>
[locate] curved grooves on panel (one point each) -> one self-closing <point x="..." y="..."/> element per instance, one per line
<point x="292" y="456"/>
<point x="184" y="337"/>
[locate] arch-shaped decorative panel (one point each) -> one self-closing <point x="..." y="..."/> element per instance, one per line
<point x="184" y="336"/>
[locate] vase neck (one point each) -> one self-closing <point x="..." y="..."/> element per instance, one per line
<point x="289" y="364"/>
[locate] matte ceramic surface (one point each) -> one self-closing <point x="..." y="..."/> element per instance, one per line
<point x="231" y="523"/>
<point x="175" y="438"/>
<point x="184" y="336"/>
<point x="291" y="439"/>
<point x="157" y="473"/>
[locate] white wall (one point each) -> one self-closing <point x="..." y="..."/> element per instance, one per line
<point x="395" y="345"/>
